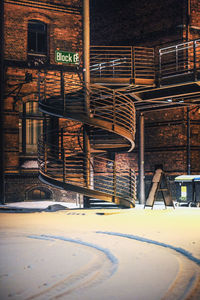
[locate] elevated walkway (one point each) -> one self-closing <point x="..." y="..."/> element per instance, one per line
<point x="155" y="79"/>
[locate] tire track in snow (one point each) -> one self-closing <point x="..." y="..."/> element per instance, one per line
<point x="187" y="282"/>
<point x="93" y="273"/>
<point x="182" y="251"/>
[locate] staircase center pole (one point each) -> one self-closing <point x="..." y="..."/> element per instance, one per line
<point x="141" y="161"/>
<point x="86" y="52"/>
<point x="86" y="73"/>
<point x="188" y="143"/>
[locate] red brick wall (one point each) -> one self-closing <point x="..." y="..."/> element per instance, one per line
<point x="166" y="140"/>
<point x="64" y="30"/>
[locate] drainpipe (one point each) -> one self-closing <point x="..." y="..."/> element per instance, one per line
<point x="141" y="160"/>
<point x="86" y="51"/>
<point x="188" y="20"/>
<point x="86" y="72"/>
<point x="2" y="165"/>
<point x="188" y="143"/>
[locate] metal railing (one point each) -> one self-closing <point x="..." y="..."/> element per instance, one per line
<point x="122" y="62"/>
<point x="67" y="96"/>
<point x="111" y="61"/>
<point x="143" y="63"/>
<point x="179" y="59"/>
<point x="67" y="164"/>
<point x="114" y="107"/>
<point x="113" y="178"/>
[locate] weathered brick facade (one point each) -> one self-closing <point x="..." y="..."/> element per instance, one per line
<point x="142" y="22"/>
<point x="158" y="23"/>
<point x="63" y="20"/>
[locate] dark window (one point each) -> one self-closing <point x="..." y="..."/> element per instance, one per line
<point x="37" y="37"/>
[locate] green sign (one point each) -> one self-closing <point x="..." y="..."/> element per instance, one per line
<point x="66" y="57"/>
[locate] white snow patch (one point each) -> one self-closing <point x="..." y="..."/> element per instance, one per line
<point x="30" y="164"/>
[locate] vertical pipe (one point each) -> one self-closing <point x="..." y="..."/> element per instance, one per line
<point x="114" y="180"/>
<point x="176" y="58"/>
<point x="86" y="146"/>
<point x="45" y="158"/>
<point x="132" y="66"/>
<point x="86" y="69"/>
<point x="188" y="143"/>
<point x="38" y="86"/>
<point x="141" y="160"/>
<point x="194" y="60"/>
<point x="87" y="158"/>
<point x="131" y="184"/>
<point x="86" y="51"/>
<point x="188" y="12"/>
<point x="2" y="164"/>
<point x="24" y="128"/>
<point x="63" y="154"/>
<point x="62" y="89"/>
<point x="160" y="68"/>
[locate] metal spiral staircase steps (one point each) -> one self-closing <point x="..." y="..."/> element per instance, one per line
<point x="114" y="136"/>
<point x="61" y="168"/>
<point x="110" y="122"/>
<point x="111" y="111"/>
<point x="96" y="203"/>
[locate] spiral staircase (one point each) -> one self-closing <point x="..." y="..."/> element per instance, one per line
<point x="75" y="156"/>
<point x="97" y="119"/>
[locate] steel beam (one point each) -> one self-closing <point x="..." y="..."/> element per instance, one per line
<point x="188" y="143"/>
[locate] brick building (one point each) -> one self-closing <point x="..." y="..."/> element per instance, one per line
<point x="33" y="31"/>
<point x="172" y="137"/>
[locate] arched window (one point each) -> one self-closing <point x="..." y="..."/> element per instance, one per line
<point x="39" y="193"/>
<point x="37" y="37"/>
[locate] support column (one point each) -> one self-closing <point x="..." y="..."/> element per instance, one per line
<point x="141" y="160"/>
<point x="86" y="51"/>
<point x="2" y="160"/>
<point x="86" y="150"/>
<point x="188" y="143"/>
<point x="86" y="70"/>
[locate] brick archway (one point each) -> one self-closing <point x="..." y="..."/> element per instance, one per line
<point x="39" y="193"/>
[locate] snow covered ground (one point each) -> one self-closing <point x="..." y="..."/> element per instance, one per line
<point x="109" y="254"/>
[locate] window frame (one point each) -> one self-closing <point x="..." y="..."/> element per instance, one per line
<point x="36" y="52"/>
<point x="25" y="116"/>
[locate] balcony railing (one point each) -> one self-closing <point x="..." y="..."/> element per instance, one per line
<point x="136" y="65"/>
<point x="65" y="161"/>
<point x="122" y="64"/>
<point x="66" y="97"/>
<point x="181" y="59"/>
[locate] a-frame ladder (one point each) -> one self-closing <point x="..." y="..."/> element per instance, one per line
<point x="159" y="184"/>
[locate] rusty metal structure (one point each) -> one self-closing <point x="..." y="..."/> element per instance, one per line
<point x="75" y="157"/>
<point x="102" y="114"/>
